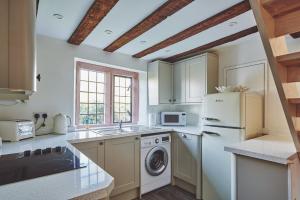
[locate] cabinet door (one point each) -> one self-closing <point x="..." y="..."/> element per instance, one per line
<point x="122" y="157"/>
<point x="179" y="83"/>
<point x="4" y="44"/>
<point x="196" y="79"/>
<point x="93" y="150"/>
<point x="165" y="83"/>
<point x="22" y="44"/>
<point x="185" y="156"/>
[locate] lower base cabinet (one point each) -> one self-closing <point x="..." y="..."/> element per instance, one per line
<point x="120" y="157"/>
<point x="93" y="150"/>
<point x="186" y="162"/>
<point x="260" y="179"/>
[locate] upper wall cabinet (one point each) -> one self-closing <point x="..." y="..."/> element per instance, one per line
<point x="160" y="83"/>
<point x="184" y="82"/>
<point x="201" y="77"/>
<point x="17" y="48"/>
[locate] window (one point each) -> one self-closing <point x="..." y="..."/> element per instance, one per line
<point x="91" y="97"/>
<point x="105" y="95"/>
<point x="122" y="99"/>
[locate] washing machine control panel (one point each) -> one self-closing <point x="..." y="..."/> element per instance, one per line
<point x="165" y="139"/>
<point x="155" y="140"/>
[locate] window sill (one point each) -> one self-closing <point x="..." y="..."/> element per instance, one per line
<point x="95" y="127"/>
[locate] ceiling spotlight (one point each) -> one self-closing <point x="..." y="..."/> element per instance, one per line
<point x="108" y="32"/>
<point x="233" y="23"/>
<point x="143" y="41"/>
<point x="58" y="16"/>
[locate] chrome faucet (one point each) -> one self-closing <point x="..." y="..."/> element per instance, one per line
<point x="120" y="124"/>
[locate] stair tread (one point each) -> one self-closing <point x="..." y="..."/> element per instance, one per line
<point x="280" y="7"/>
<point x="288" y="60"/>
<point x="294" y="100"/>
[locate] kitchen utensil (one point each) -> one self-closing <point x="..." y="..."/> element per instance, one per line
<point x="61" y="123"/>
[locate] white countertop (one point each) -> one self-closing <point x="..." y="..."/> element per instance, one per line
<point x="274" y="148"/>
<point x="195" y="130"/>
<point x="90" y="180"/>
<point x="73" y="183"/>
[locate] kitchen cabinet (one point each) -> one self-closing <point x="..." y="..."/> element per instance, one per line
<point x="122" y="157"/>
<point x="179" y="83"/>
<point x="195" y="77"/>
<point x="93" y="150"/>
<point x="184" y="82"/>
<point x="186" y="161"/>
<point x="160" y="83"/>
<point x="17" y="39"/>
<point x="260" y="179"/>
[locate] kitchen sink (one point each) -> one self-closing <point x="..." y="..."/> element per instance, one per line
<point x="124" y="130"/>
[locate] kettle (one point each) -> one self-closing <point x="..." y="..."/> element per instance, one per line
<point x="61" y="123"/>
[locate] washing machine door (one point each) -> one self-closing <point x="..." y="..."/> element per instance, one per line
<point x="156" y="161"/>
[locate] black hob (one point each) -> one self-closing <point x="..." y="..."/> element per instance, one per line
<point x="40" y="162"/>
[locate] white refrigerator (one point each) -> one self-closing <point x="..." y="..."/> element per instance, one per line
<point x="228" y="118"/>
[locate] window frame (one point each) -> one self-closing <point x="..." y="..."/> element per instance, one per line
<point x="109" y="73"/>
<point x="113" y="100"/>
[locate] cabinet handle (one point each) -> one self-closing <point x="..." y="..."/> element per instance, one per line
<point x="174" y="100"/>
<point x="100" y="143"/>
<point x="211" y="133"/>
<point x="170" y="100"/>
<point x="211" y="119"/>
<point x="137" y="138"/>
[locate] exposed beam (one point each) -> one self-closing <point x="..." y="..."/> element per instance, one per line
<point x="167" y="9"/>
<point x="295" y="35"/>
<point x="221" y="17"/>
<point x="92" y="18"/>
<point x="210" y="45"/>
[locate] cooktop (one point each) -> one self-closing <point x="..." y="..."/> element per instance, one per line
<point x="33" y="164"/>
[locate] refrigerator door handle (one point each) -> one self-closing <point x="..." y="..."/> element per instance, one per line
<point x="211" y="133"/>
<point x="211" y="119"/>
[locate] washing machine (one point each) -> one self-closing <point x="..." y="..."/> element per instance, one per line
<point x="155" y="161"/>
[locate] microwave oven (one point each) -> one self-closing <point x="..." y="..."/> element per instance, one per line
<point x="16" y="130"/>
<point x="173" y="118"/>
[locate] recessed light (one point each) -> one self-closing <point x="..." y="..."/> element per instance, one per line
<point x="233" y="23"/>
<point x="58" y="16"/>
<point x="167" y="50"/>
<point x="143" y="41"/>
<point x="108" y="32"/>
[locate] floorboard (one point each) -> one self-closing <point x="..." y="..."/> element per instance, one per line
<point x="169" y="193"/>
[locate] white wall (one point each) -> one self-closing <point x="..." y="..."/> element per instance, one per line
<point x="55" y="92"/>
<point x="251" y="51"/>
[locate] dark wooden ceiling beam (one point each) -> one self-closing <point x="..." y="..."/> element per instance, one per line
<point x="167" y="9"/>
<point x="98" y="10"/>
<point x="210" y="45"/>
<point x="221" y="17"/>
<point x="296" y="35"/>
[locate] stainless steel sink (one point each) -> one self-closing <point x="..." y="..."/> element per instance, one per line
<point x="124" y="130"/>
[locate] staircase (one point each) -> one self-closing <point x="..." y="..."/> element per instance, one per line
<point x="275" y="19"/>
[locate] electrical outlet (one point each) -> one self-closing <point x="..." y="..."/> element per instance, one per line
<point x="40" y="114"/>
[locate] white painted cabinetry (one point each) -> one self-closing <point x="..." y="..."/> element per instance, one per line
<point x="160" y="83"/>
<point x="183" y="82"/>
<point x="195" y="77"/>
<point x="186" y="162"/>
<point x="17" y="48"/>
<point x="179" y="83"/>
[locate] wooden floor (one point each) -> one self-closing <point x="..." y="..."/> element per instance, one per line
<point x="169" y="193"/>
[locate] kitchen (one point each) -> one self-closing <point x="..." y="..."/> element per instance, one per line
<point x="174" y="76"/>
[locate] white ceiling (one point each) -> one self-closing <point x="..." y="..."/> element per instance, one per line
<point x="127" y="13"/>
